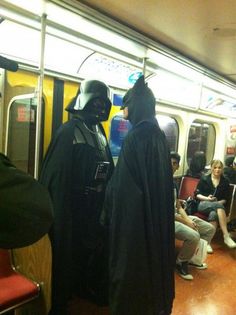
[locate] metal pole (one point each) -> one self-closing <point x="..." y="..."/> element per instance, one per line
<point x="40" y="96"/>
<point x="144" y="65"/>
<point x="2" y="80"/>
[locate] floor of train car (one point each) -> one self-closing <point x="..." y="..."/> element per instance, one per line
<point x="211" y="292"/>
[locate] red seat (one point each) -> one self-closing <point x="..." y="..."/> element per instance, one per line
<point x="15" y="289"/>
<point x="187" y="187"/>
<point x="201" y="216"/>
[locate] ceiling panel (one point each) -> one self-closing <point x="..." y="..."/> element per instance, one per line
<point x="204" y="31"/>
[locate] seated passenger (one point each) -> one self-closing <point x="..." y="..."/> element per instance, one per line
<point x="212" y="191"/>
<point x="188" y="229"/>
<point x="25" y="207"/>
<point x="197" y="165"/>
<point x="230" y="169"/>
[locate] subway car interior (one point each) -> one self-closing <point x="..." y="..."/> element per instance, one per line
<point x="186" y="51"/>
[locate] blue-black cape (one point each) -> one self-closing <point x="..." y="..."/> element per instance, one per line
<point x="140" y="216"/>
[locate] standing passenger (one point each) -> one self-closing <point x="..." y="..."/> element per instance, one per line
<point x="139" y="202"/>
<point x="76" y="169"/>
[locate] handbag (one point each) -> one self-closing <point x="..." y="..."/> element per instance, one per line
<point x="200" y="253"/>
<point x="191" y="205"/>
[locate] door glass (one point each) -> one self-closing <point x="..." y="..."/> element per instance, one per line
<point x="201" y="138"/>
<point x="22" y="133"/>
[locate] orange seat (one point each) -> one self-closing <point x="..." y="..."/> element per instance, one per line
<point x="15" y="289"/>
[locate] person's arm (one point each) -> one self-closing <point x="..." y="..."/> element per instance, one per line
<point x="202" y="191"/>
<point x="205" y="198"/>
<point x="222" y="201"/>
<point x="182" y="216"/>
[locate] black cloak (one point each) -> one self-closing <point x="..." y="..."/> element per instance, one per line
<point x="25" y="207"/>
<point x="79" y="242"/>
<point x="139" y="203"/>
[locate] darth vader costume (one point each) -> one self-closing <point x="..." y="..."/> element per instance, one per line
<point x="25" y="207"/>
<point x="76" y="169"/>
<point x="139" y="205"/>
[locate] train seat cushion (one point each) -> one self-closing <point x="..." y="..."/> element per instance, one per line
<point x="187" y="187"/>
<point x="201" y="216"/>
<point x="15" y="289"/>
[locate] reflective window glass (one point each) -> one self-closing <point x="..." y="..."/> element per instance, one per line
<point x="120" y="127"/>
<point x="202" y="138"/>
<point x="118" y="131"/>
<point x="171" y="129"/>
<point x="22" y="134"/>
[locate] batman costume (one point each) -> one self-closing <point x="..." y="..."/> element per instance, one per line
<point x="139" y="205"/>
<point x="76" y="169"/>
<point x="25" y="208"/>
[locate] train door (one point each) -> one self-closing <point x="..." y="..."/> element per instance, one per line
<point x="21" y="132"/>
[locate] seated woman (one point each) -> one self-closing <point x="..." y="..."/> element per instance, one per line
<point x="230" y="169"/>
<point x="197" y="165"/>
<point x="212" y="191"/>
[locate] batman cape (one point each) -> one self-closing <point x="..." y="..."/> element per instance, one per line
<point x="79" y="242"/>
<point x="25" y="207"/>
<point x="139" y="205"/>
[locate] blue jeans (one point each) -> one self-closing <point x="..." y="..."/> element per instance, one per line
<point x="209" y="208"/>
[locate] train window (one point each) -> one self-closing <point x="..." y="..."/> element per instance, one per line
<point x="171" y="129"/>
<point x="118" y="130"/>
<point x="201" y="137"/>
<point x="21" y="133"/>
<point x="120" y="127"/>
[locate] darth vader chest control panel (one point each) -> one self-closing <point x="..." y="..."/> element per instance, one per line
<point x="101" y="171"/>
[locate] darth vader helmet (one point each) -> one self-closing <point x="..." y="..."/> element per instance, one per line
<point x="92" y="101"/>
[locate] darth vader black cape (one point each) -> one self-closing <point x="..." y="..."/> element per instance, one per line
<point x="26" y="212"/>
<point x="139" y="203"/>
<point x="78" y="244"/>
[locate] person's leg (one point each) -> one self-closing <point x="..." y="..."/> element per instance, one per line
<point x="213" y="218"/>
<point x="190" y="240"/>
<point x="205" y="207"/>
<point x="205" y="229"/>
<point x="222" y="221"/>
<point x="223" y="225"/>
<point x="214" y="223"/>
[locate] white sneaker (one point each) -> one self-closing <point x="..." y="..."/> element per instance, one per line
<point x="182" y="269"/>
<point x="202" y="266"/>
<point x="209" y="249"/>
<point x="229" y="242"/>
